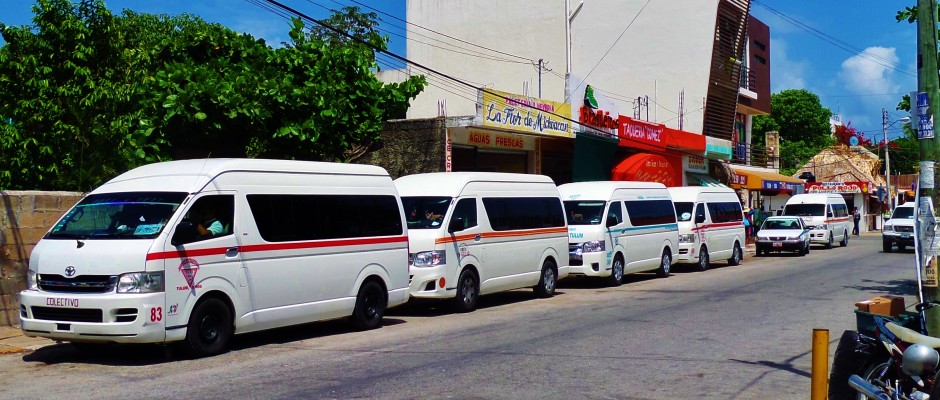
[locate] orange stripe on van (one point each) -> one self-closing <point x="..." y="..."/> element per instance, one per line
<point x="502" y="234"/>
<point x="837" y="220"/>
<point x="720" y="225"/>
<point x="277" y="246"/>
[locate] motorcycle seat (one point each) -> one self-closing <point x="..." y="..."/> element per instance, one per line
<point x="912" y="336"/>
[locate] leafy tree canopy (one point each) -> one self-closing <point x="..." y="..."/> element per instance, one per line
<point x="803" y="124"/>
<point x="87" y="94"/>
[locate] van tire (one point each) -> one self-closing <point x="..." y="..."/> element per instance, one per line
<point x="370" y="306"/>
<point x="702" y="259"/>
<point x="468" y="291"/>
<point x="735" y="255"/>
<point x="209" y="329"/>
<point x="665" y="265"/>
<point x="845" y="239"/>
<point x="831" y="241"/>
<point x="547" y="281"/>
<point x="616" y="272"/>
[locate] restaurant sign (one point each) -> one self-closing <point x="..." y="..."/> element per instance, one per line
<point x="523" y="114"/>
<point x="837" y="187"/>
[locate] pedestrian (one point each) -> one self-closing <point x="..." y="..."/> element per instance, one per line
<point x="747" y="224"/>
<point x="857" y="217"/>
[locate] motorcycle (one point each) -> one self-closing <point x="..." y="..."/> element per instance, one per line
<point x="897" y="363"/>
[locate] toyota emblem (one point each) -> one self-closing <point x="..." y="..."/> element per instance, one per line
<point x="70" y="271"/>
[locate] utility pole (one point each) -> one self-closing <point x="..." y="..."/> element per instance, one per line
<point x="884" y="137"/>
<point x="927" y="82"/>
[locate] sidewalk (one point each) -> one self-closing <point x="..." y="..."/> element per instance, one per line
<point x="12" y="341"/>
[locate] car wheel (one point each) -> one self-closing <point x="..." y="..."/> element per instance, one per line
<point x="546" y="286"/>
<point x="209" y="329"/>
<point x="702" y="259"/>
<point x="829" y="244"/>
<point x="665" y="265"/>
<point x="735" y="255"/>
<point x="886" y="246"/>
<point x="807" y="248"/>
<point x="845" y="239"/>
<point x="370" y="306"/>
<point x="467" y="291"/>
<point x="616" y="272"/>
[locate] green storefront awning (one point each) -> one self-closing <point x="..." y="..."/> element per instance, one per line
<point x="704" y="180"/>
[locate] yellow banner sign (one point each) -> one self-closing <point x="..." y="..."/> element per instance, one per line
<point x="524" y="114"/>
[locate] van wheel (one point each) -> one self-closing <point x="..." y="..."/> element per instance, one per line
<point x="370" y="306"/>
<point x="829" y="244"/>
<point x="702" y="259"/>
<point x="546" y="286"/>
<point x="845" y="239"/>
<point x="735" y="255"/>
<point x="665" y="265"/>
<point x="467" y="292"/>
<point x="616" y="272"/>
<point x="209" y="329"/>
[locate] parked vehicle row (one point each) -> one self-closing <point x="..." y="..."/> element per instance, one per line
<point x="195" y="251"/>
<point x="807" y="218"/>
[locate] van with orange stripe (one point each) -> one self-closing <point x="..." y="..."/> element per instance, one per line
<point x="475" y="233"/>
<point x="195" y="251"/>
<point x="711" y="225"/>
<point x="825" y="214"/>
<point x="619" y="227"/>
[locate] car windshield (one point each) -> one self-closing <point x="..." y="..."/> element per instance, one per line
<point x="903" y="212"/>
<point x="584" y="212"/>
<point x="684" y="211"/>
<point x="132" y="215"/>
<point x="781" y="224"/>
<point x="425" y="212"/>
<point x="805" y="210"/>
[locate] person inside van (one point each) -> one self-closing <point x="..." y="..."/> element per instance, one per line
<point x="207" y="222"/>
<point x="432" y="218"/>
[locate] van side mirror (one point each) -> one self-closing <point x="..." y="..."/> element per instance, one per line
<point x="456" y="224"/>
<point x="184" y="233"/>
<point x="699" y="219"/>
<point x="612" y="221"/>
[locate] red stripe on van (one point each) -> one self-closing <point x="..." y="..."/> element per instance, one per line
<point x="524" y="232"/>
<point x="276" y="246"/>
<point x="721" y="225"/>
<point x="837" y="220"/>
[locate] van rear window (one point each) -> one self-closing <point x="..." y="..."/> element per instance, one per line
<point x="290" y="217"/>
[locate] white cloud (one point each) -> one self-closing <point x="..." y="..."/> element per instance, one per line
<point x="867" y="73"/>
<point x="785" y="73"/>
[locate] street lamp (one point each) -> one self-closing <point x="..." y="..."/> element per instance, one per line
<point x="884" y="133"/>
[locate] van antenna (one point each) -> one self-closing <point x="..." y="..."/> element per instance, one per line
<point x="203" y="169"/>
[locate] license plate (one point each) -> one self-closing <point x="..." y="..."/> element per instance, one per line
<point x="778" y="244"/>
<point x="905" y="235"/>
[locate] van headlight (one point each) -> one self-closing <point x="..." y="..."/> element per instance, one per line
<point x="593" y="246"/>
<point x="141" y="282"/>
<point x="32" y="280"/>
<point x="889" y="228"/>
<point x="429" y="258"/>
<point x="687" y="238"/>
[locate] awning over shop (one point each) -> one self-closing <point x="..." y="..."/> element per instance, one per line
<point x="645" y="167"/>
<point x="760" y="180"/>
<point x="703" y="180"/>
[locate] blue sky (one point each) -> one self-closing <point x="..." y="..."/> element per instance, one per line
<point x="865" y="63"/>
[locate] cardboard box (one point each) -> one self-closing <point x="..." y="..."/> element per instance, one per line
<point x="882" y="305"/>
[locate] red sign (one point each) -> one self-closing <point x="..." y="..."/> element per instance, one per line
<point x="632" y="132"/>
<point x="836" y="187"/>
<point x="646" y="167"/>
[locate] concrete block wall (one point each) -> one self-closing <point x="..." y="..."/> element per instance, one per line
<point x="410" y="147"/>
<point x="25" y="216"/>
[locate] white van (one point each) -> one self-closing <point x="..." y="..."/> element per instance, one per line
<point x="475" y="233"/>
<point x="711" y="225"/>
<point x="139" y="259"/>
<point x="618" y="227"/>
<point x="825" y="214"/>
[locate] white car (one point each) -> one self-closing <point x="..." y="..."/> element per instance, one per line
<point x="899" y="229"/>
<point x="783" y="234"/>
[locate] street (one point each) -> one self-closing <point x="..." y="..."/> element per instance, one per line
<point x="728" y="333"/>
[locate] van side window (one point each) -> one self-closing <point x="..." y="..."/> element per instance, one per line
<point x="650" y="212"/>
<point x="699" y="211"/>
<point x="840" y="210"/>
<point x="729" y="211"/>
<point x="289" y="217"/>
<point x="509" y="213"/>
<point x="214" y="213"/>
<point x="466" y="209"/>
<point x="615" y="211"/>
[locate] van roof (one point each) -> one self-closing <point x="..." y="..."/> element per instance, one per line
<point x="452" y="183"/>
<point x="690" y="193"/>
<point x="602" y="190"/>
<point x="813" y="198"/>
<point x="192" y="175"/>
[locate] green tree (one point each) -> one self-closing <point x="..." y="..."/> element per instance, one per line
<point x="803" y="124"/>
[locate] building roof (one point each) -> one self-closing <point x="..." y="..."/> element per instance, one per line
<point x="841" y="163"/>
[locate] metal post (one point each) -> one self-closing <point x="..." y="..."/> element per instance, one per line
<point x="819" y="378"/>
<point x="927" y="81"/>
<point x="884" y="132"/>
<point x="540" y="78"/>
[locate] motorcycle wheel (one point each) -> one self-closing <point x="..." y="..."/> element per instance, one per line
<point x="873" y="371"/>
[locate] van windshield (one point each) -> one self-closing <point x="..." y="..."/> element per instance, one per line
<point x="584" y="212"/>
<point x="805" y="210"/>
<point x="903" y="212"/>
<point x="131" y="215"/>
<point x="684" y="210"/>
<point x="425" y="212"/>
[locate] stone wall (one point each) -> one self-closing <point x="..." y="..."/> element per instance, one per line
<point x="24" y="219"/>
<point x="410" y="147"/>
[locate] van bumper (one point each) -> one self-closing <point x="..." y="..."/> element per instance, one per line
<point x="687" y="254"/>
<point x="819" y="236"/>
<point x="426" y="283"/>
<point x="117" y="318"/>
<point x="591" y="264"/>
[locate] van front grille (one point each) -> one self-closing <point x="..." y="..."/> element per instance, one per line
<point x="78" y="284"/>
<point x="67" y="314"/>
<point x="904" y="228"/>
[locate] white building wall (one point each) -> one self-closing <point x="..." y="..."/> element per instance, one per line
<point x="666" y="49"/>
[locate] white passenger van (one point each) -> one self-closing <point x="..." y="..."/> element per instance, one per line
<point x="825" y="214"/>
<point x="619" y="227"/>
<point x="475" y="233"/>
<point x="140" y="259"/>
<point x="711" y="225"/>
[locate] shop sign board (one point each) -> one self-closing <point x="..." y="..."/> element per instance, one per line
<point x="632" y="131"/>
<point x="773" y="185"/>
<point x="924" y="117"/>
<point x="492" y="139"/>
<point x="596" y="114"/>
<point x="523" y="114"/>
<point x="693" y="163"/>
<point x="836" y="187"/>
<point x="738" y="179"/>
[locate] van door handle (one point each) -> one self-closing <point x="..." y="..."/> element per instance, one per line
<point x="476" y="238"/>
<point x="231" y="251"/>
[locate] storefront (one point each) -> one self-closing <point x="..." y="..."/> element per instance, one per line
<point x="761" y="188"/>
<point x="857" y="195"/>
<point x="652" y="152"/>
<point x="596" y="140"/>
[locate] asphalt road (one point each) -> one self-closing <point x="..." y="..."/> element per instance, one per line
<point x="728" y="333"/>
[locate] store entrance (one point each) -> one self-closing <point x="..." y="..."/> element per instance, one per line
<point x="467" y="158"/>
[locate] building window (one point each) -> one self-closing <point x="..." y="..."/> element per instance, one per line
<point x="760" y="45"/>
<point x="760" y="59"/>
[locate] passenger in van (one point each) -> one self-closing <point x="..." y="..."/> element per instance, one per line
<point x="432" y="218"/>
<point x="207" y="223"/>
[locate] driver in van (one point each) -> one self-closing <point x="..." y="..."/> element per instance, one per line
<point x="207" y="223"/>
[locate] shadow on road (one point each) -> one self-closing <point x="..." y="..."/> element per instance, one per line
<point x="900" y="287"/>
<point x="438" y="307"/>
